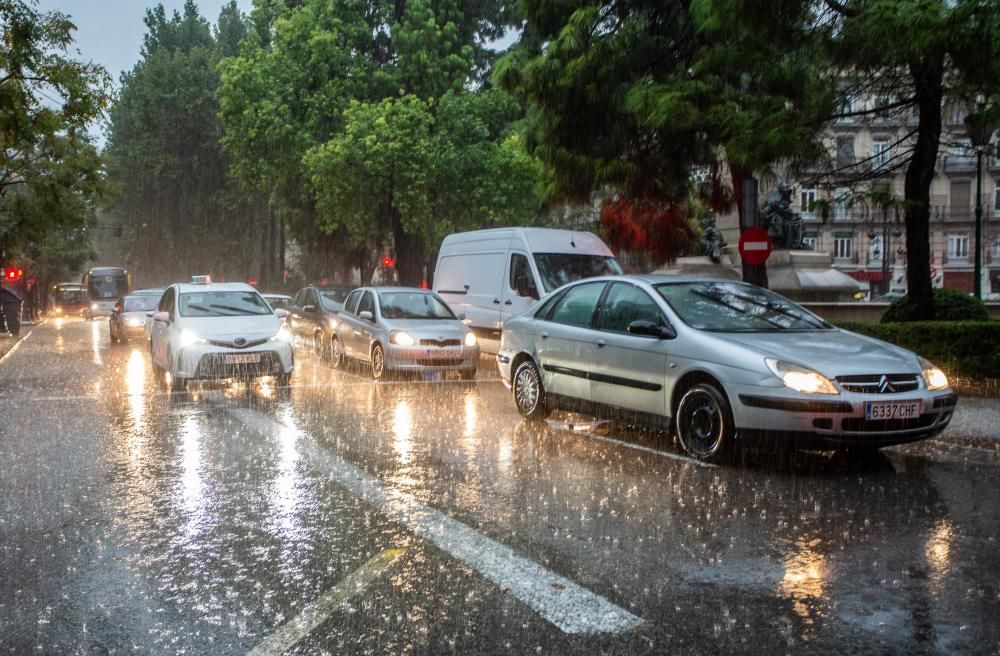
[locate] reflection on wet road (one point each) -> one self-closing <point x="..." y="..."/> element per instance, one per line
<point x="423" y="516"/>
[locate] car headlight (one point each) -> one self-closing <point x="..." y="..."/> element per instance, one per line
<point x="934" y="378"/>
<point x="283" y="335"/>
<point x="188" y="338"/>
<point x="333" y="324"/>
<point x="470" y="339"/>
<point x="401" y="338"/>
<point x="801" y="379"/>
<point x="95" y="306"/>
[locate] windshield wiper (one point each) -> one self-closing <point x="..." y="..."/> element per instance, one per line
<point x="231" y="308"/>
<point x="781" y="309"/>
<point x="721" y="301"/>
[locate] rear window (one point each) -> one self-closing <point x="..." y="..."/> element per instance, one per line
<point x="140" y="303"/>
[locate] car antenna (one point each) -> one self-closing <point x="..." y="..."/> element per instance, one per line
<point x="572" y="237"/>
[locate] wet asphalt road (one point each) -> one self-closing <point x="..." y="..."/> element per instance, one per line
<point x="347" y="517"/>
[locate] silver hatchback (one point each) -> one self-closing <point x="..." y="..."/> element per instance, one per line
<point x="720" y="362"/>
<point x="395" y="329"/>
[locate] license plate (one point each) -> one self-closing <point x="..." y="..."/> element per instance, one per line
<point x="892" y="409"/>
<point x="439" y="353"/>
<point x="242" y="358"/>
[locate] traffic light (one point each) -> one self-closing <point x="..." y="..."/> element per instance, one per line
<point x="388" y="262"/>
<point x="13" y="274"/>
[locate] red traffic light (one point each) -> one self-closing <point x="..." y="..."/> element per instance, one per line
<point x="387" y="262"/>
<point x="13" y="275"/>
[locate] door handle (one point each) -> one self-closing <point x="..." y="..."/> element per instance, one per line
<point x="508" y="302"/>
<point x="497" y="301"/>
<point x="545" y="335"/>
<point x="601" y="343"/>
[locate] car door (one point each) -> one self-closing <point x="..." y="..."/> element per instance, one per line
<point x="346" y="320"/>
<point x="295" y="313"/>
<point x="628" y="370"/>
<point x="363" y="329"/>
<point x="519" y="291"/>
<point x="160" y="330"/>
<point x="565" y="343"/>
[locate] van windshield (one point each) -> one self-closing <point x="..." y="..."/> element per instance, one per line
<point x="557" y="269"/>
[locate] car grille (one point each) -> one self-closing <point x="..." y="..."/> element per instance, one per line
<point x="862" y="425"/>
<point x="212" y="365"/>
<point x="232" y="344"/>
<point x="872" y="383"/>
<point x="438" y="362"/>
<point x="440" y="342"/>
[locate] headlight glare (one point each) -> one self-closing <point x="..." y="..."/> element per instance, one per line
<point x="188" y="338"/>
<point x="801" y="379"/>
<point x="333" y="324"/>
<point x="470" y="339"/>
<point x="283" y="335"/>
<point x="400" y="338"/>
<point x="934" y="378"/>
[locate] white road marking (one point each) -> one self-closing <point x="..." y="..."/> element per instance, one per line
<point x="569" y="606"/>
<point x="319" y="610"/>
<point x="755" y="246"/>
<point x="15" y="347"/>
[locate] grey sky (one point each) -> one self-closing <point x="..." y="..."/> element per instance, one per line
<point x="109" y="32"/>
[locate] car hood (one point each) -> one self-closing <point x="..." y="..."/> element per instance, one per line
<point x="830" y="352"/>
<point x="225" y="328"/>
<point x="429" y="328"/>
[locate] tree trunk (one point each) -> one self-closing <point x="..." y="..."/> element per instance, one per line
<point x="927" y="79"/>
<point x="409" y="252"/>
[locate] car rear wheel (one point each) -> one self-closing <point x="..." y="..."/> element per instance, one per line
<point x="529" y="393"/>
<point x="378" y="362"/>
<point x="336" y="353"/>
<point x="704" y="423"/>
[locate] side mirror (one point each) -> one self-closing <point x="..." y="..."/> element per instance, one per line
<point x="151" y="313"/>
<point x="281" y="313"/>
<point x="162" y="316"/>
<point x="367" y="315"/>
<point x="461" y="316"/>
<point x="308" y="309"/>
<point x="651" y="329"/>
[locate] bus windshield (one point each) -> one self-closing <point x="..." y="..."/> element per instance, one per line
<point x="107" y="286"/>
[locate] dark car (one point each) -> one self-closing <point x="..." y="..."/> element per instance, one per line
<point x="312" y="315"/>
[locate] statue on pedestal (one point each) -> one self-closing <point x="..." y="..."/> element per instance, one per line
<point x="782" y="224"/>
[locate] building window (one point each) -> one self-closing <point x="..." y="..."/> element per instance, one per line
<point x="996" y="199"/>
<point x="880" y="153"/>
<point x="995" y="249"/>
<point x="845" y="150"/>
<point x="842" y="204"/>
<point x="807" y="202"/>
<point x="958" y="246"/>
<point x="811" y="240"/>
<point x="846" y="107"/>
<point x="843" y="245"/>
<point x="875" y="250"/>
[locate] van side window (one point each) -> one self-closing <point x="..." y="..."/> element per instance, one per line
<point x="577" y="305"/>
<point x="521" y="280"/>
<point x="627" y="303"/>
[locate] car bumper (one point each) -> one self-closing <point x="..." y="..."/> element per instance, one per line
<point x="837" y="421"/>
<point x="417" y="358"/>
<point x="208" y="361"/>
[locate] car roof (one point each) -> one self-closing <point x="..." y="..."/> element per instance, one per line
<point x="145" y="292"/>
<point x="184" y="287"/>
<point x="390" y="288"/>
<point x="270" y="295"/>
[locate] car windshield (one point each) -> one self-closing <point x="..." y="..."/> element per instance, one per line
<point x="332" y="298"/>
<point x="557" y="269"/>
<point x="413" y="305"/>
<point x="222" y="304"/>
<point x="140" y="303"/>
<point x="736" y="307"/>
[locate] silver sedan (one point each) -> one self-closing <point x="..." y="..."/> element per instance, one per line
<point x="394" y="329"/>
<point x="721" y="363"/>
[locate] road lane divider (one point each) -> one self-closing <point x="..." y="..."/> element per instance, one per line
<point x="562" y="602"/>
<point x="319" y="610"/>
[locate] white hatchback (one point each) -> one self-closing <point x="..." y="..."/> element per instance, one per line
<point x="218" y="330"/>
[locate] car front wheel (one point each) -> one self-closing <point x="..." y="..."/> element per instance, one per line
<point x="529" y="393"/>
<point x="704" y="423"/>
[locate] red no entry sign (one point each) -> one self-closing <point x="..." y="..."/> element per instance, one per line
<point x="755" y="245"/>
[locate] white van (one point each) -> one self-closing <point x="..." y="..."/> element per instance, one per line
<point x="490" y="275"/>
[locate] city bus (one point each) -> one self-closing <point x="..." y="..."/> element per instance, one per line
<point x="68" y="299"/>
<point x="105" y="285"/>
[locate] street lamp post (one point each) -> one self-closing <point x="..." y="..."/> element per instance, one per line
<point x="980" y="131"/>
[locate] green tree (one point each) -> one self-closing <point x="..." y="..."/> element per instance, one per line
<point x="181" y="210"/>
<point x="305" y="68"/>
<point x="51" y="179"/>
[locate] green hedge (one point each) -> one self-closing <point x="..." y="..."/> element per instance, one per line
<point x="964" y="348"/>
